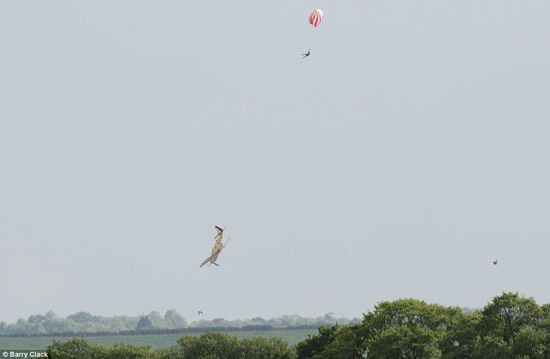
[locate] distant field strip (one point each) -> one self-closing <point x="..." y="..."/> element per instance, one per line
<point x="155" y="341"/>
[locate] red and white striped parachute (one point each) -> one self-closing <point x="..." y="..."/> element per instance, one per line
<point x="316" y="17"/>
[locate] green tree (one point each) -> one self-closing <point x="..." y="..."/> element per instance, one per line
<point x="81" y="349"/>
<point x="507" y="323"/>
<point x="208" y="346"/>
<point x="157" y="321"/>
<point x="507" y="314"/>
<point x="258" y="347"/>
<point x="220" y="322"/>
<point x="407" y="328"/>
<point x="493" y="347"/>
<point x="76" y="349"/>
<point x="121" y="351"/>
<point x="346" y="344"/>
<point x="36" y="319"/>
<point x="81" y="317"/>
<point x="531" y="343"/>
<point x="144" y="323"/>
<point x="404" y="342"/>
<point x="174" y="319"/>
<point x="315" y="344"/>
<point x="462" y="340"/>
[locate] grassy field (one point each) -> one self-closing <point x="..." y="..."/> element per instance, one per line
<point x="155" y="341"/>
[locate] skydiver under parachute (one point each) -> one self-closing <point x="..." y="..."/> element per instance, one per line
<point x="217" y="249"/>
<point x="315" y="19"/>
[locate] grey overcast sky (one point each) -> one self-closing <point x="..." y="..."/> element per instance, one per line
<point x="398" y="160"/>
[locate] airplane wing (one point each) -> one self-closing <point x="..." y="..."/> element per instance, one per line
<point x="205" y="261"/>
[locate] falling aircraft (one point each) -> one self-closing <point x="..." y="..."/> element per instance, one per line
<point x="217" y="249"/>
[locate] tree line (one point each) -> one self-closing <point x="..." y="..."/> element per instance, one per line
<point x="83" y="323"/>
<point x="511" y="326"/>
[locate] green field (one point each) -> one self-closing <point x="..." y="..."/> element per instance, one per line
<point x="155" y="341"/>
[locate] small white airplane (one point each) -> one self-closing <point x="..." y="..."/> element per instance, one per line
<point x="217" y="249"/>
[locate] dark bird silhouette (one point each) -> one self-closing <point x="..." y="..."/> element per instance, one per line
<point x="495" y="262"/>
<point x="306" y="54"/>
<point x="199" y="312"/>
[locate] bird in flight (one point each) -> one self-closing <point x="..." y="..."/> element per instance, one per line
<point x="199" y="312"/>
<point x="217" y="249"/>
<point x="306" y="54"/>
<point x="495" y="262"/>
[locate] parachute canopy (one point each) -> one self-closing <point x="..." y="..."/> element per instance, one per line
<point x="316" y="17"/>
